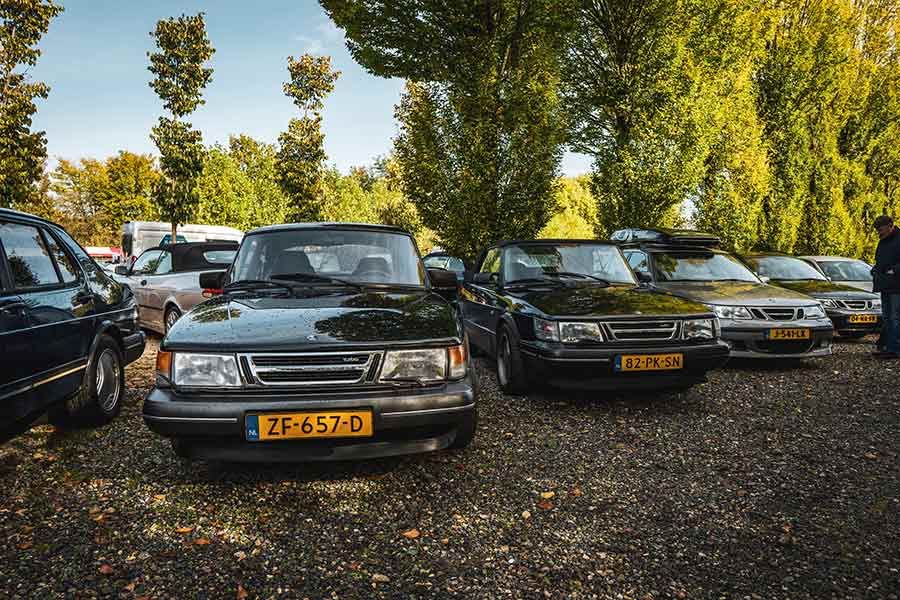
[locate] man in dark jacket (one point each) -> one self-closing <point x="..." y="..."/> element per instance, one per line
<point x="886" y="279"/>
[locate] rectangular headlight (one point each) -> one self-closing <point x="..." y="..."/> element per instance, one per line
<point x="876" y="304"/>
<point x="829" y="303"/>
<point x="814" y="312"/>
<point x="572" y="333"/>
<point x="205" y="370"/>
<point x="731" y="312"/>
<point x="699" y="329"/>
<point x="423" y="365"/>
<point x="545" y="330"/>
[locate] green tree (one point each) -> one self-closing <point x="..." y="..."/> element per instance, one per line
<point x="132" y="179"/>
<point x="301" y="149"/>
<point x="22" y="151"/>
<point x="258" y="161"/>
<point x="180" y="77"/>
<point x="576" y="213"/>
<point x="481" y="126"/>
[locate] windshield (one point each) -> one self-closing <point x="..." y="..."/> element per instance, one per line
<point x="592" y="261"/>
<point x="701" y="266"/>
<point x="847" y="270"/>
<point x="785" y="267"/>
<point x="358" y="256"/>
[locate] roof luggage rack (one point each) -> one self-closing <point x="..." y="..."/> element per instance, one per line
<point x="679" y="237"/>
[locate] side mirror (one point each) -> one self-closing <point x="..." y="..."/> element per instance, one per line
<point x="212" y="282"/>
<point x="444" y="283"/>
<point x="643" y="277"/>
<point x="485" y="278"/>
<point x="121" y="270"/>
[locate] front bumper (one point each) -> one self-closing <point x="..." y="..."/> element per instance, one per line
<point x="406" y="421"/>
<point x="842" y="324"/>
<point x="594" y="368"/>
<point x="748" y="339"/>
<point x="133" y="346"/>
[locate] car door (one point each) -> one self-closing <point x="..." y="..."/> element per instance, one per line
<point x="480" y="303"/>
<point x="157" y="285"/>
<point x="49" y="352"/>
<point x="137" y="281"/>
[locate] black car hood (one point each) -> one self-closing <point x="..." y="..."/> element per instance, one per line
<point x="823" y="289"/>
<point x="733" y="293"/>
<point x="587" y="300"/>
<point x="255" y="323"/>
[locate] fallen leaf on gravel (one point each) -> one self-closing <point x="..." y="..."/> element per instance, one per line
<point x="25" y="545"/>
<point x="106" y="570"/>
<point x="27" y="529"/>
<point x="741" y="492"/>
<point x="130" y="587"/>
<point x="545" y="505"/>
<point x="241" y="592"/>
<point x="871" y="455"/>
<point x="576" y="493"/>
<point x="202" y="542"/>
<point x="445" y="541"/>
<point x="21" y="512"/>
<point x="240" y="555"/>
<point x="504" y="548"/>
<point x="526" y="514"/>
<point x="379" y="578"/>
<point x="94" y="510"/>
<point x="547" y="495"/>
<point x="184" y="530"/>
<point x="411" y="534"/>
<point x="159" y="497"/>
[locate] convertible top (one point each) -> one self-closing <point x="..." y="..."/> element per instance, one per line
<point x="191" y="256"/>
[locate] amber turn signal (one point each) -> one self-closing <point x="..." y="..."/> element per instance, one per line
<point x="164" y="363"/>
<point x="457" y="356"/>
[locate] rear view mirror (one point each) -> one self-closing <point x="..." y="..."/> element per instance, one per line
<point x="121" y="270"/>
<point x="485" y="278"/>
<point x="212" y="282"/>
<point x="643" y="277"/>
<point x="444" y="282"/>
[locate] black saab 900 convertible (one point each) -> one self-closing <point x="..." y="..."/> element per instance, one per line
<point x="571" y="313"/>
<point x="330" y="341"/>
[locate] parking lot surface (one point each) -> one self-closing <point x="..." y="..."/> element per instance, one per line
<point x="777" y="482"/>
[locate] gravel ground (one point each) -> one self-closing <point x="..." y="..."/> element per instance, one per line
<point x="763" y="483"/>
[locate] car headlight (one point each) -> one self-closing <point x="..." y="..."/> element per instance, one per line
<point x="203" y="370"/>
<point x="876" y="304"/>
<point x="731" y="312"/>
<point x="814" y="312"/>
<point x="829" y="303"/>
<point x="572" y="333"/>
<point x="699" y="329"/>
<point x="546" y="330"/>
<point x="425" y="365"/>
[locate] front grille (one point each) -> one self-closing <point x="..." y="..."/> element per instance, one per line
<point x="777" y="314"/>
<point x="313" y="368"/>
<point x="623" y="331"/>
<point x="856" y="304"/>
<point x="784" y="347"/>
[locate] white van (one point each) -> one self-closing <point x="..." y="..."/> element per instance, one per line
<point x="138" y="236"/>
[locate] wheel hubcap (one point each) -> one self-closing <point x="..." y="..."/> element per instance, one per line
<point x="170" y="319"/>
<point x="502" y="361"/>
<point x="107" y="380"/>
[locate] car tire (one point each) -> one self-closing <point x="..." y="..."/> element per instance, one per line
<point x="511" y="374"/>
<point x="99" y="399"/>
<point x="853" y="335"/>
<point x="171" y="317"/>
<point x="465" y="431"/>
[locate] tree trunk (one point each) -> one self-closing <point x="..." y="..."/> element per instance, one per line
<point x="174" y="239"/>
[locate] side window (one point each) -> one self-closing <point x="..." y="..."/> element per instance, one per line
<point x="164" y="265"/>
<point x="67" y="267"/>
<point x="146" y="262"/>
<point x="28" y="256"/>
<point x="638" y="261"/>
<point x="491" y="263"/>
<point x="456" y="265"/>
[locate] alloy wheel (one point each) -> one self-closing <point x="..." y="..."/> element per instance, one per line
<point x="107" y="380"/>
<point x="503" y="360"/>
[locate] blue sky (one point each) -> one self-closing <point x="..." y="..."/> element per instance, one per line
<point x="95" y="60"/>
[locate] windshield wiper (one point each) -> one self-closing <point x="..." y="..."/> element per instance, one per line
<point x="315" y="277"/>
<point x="577" y="275"/>
<point x="245" y="285"/>
<point x="533" y="280"/>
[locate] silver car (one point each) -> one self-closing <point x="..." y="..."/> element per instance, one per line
<point x="845" y="271"/>
<point x="757" y="320"/>
<point x="166" y="280"/>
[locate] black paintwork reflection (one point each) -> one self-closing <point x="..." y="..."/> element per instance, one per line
<point x="823" y="289"/>
<point x="290" y="323"/>
<point x="729" y="292"/>
<point x="595" y="300"/>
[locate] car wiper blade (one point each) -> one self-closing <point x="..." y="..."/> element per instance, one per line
<point x="577" y="275"/>
<point x="315" y="277"/>
<point x="534" y="280"/>
<point x="255" y="284"/>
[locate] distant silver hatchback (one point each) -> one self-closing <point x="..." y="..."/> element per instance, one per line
<point x="845" y="271"/>
<point x="166" y="280"/>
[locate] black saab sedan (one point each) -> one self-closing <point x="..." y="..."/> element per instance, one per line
<point x="570" y="313"/>
<point x="330" y="341"/>
<point x="853" y="312"/>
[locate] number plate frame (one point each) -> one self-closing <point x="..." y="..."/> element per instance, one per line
<point x="258" y="427"/>
<point x="625" y="363"/>
<point x="868" y="319"/>
<point x="788" y="334"/>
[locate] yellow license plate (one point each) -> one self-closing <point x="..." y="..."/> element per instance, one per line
<point x="863" y="318"/>
<point x="789" y="334"/>
<point x="649" y="362"/>
<point x="308" y="425"/>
